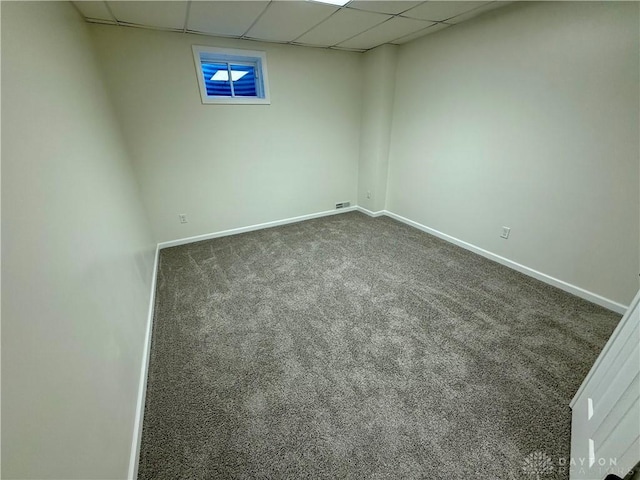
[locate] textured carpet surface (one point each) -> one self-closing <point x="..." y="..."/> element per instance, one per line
<point x="353" y="347"/>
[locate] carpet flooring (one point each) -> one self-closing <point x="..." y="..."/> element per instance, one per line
<point x="357" y="347"/>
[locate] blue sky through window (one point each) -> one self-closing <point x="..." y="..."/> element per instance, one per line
<point x="218" y="83"/>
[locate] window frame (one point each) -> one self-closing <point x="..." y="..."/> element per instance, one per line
<point x="255" y="58"/>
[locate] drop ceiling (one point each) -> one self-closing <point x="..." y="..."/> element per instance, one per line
<point x="359" y="25"/>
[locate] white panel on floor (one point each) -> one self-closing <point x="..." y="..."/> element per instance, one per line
<point x="605" y="429"/>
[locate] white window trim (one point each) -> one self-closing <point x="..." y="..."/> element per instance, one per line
<point x="232" y="52"/>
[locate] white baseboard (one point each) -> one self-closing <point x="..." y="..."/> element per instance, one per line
<point x="379" y="213"/>
<point x="251" y="228"/>
<point x="142" y="387"/>
<point x="567" y="287"/>
<point x="604" y="354"/>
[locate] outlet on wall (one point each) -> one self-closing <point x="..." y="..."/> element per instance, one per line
<point x="505" y="232"/>
<point x="182" y="217"/>
<point x="368" y="194"/>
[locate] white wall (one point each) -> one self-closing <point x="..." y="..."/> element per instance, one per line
<point x="77" y="256"/>
<point x="378" y="86"/>
<point x="527" y="117"/>
<point x="229" y="166"/>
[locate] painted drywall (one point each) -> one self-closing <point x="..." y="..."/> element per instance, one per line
<point x="77" y="256"/>
<point x="378" y="85"/>
<point x="229" y="166"/>
<point x="527" y="117"/>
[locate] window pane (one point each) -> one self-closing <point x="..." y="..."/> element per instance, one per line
<point x="216" y="79"/>
<point x="230" y="76"/>
<point x="244" y="80"/>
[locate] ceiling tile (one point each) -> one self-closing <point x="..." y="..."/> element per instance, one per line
<point x="224" y="17"/>
<point x="341" y="26"/>
<point x="151" y="14"/>
<point x="359" y="50"/>
<point x="477" y="11"/>
<point x="438" y="11"/>
<point x="96" y="10"/>
<point x="392" y="7"/>
<point x="285" y="21"/>
<point x="436" y="27"/>
<point x="386" y="32"/>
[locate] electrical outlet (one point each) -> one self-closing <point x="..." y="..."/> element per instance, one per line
<point x="368" y="194"/>
<point x="505" y="232"/>
<point x="182" y="217"/>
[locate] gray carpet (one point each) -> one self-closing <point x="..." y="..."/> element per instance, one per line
<point x="353" y="347"/>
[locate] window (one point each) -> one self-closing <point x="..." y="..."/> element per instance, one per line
<point x="231" y="76"/>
